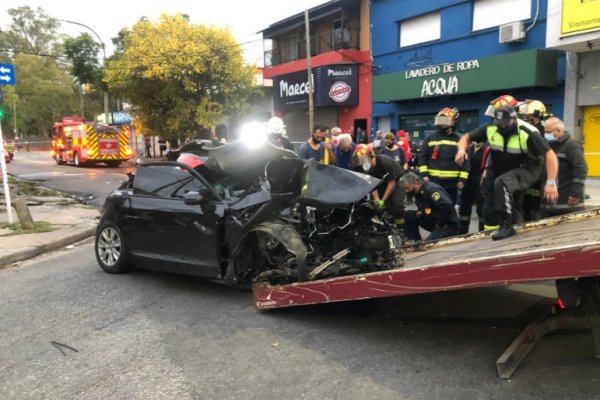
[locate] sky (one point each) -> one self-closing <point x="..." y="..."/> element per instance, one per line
<point x="108" y="17"/>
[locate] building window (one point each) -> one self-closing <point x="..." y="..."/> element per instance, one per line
<point x="490" y="13"/>
<point x="292" y="47"/>
<point x="341" y="37"/>
<point x="424" y="28"/>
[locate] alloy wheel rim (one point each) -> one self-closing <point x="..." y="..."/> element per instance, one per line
<point x="109" y="246"/>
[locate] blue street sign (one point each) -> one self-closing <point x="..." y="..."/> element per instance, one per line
<point x="7" y="74"/>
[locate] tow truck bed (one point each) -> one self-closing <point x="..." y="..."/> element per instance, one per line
<point x="561" y="247"/>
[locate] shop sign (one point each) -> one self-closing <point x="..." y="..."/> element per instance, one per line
<point x="436" y="85"/>
<point x="579" y="16"/>
<point x="499" y="72"/>
<point x="334" y="85"/>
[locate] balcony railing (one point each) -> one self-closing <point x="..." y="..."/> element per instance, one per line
<point x="292" y="48"/>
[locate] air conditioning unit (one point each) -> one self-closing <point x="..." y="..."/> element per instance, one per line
<point x="513" y="32"/>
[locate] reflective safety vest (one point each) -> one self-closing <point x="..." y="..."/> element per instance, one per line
<point x="512" y="152"/>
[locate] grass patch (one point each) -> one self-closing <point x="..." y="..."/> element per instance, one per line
<point x="38" y="227"/>
<point x="26" y="188"/>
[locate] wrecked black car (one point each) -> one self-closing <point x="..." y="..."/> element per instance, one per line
<point x="246" y="215"/>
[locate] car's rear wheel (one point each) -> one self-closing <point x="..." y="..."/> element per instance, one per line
<point x="110" y="249"/>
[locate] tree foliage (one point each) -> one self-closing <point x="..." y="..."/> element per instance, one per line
<point x="82" y="52"/>
<point x="44" y="90"/>
<point x="180" y="77"/>
<point x="31" y="31"/>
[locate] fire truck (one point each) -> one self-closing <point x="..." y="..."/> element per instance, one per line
<point x="80" y="143"/>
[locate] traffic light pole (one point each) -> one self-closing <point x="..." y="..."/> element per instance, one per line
<point x="5" y="177"/>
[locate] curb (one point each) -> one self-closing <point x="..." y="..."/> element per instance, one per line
<point x="47" y="247"/>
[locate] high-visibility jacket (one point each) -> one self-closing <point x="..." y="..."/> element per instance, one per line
<point x="436" y="160"/>
<point x="514" y="151"/>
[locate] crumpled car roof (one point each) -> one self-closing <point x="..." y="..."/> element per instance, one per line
<point x="242" y="160"/>
<point x="319" y="183"/>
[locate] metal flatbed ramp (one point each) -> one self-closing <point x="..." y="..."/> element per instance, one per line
<point x="561" y="247"/>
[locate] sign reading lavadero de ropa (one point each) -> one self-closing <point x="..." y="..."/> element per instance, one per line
<point x="521" y="69"/>
<point x="579" y="16"/>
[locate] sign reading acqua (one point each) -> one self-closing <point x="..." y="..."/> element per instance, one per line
<point x="441" y="79"/>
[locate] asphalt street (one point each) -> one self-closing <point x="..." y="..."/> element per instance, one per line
<point x="159" y="336"/>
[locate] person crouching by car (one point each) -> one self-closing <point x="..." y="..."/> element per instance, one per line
<point x="389" y="194"/>
<point x="435" y="210"/>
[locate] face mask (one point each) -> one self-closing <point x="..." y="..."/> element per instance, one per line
<point x="445" y="130"/>
<point x="390" y="145"/>
<point x="366" y="166"/>
<point x="507" y="130"/>
<point x="316" y="139"/>
<point x="549" y="137"/>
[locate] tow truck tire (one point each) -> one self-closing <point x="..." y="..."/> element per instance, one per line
<point x="110" y="249"/>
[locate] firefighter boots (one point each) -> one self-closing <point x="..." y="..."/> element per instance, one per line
<point x="506" y="229"/>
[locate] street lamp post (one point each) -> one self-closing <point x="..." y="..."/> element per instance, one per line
<point x="103" y="61"/>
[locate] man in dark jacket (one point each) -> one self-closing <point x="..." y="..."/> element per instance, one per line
<point x="572" y="167"/>
<point x="435" y="210"/>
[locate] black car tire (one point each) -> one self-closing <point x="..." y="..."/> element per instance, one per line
<point x="110" y="249"/>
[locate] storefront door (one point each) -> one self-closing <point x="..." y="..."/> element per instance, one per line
<point x="591" y="139"/>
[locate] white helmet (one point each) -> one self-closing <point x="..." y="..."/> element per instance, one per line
<point x="275" y="126"/>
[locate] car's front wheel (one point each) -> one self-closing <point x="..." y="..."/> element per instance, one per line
<point x="110" y="249"/>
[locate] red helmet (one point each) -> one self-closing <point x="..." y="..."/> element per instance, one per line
<point x="446" y="117"/>
<point x="504" y="100"/>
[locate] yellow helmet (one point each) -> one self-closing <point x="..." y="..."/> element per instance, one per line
<point x="532" y="108"/>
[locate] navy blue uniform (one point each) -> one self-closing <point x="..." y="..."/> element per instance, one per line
<point x="436" y="214"/>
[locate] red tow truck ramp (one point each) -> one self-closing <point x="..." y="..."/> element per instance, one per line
<point x="562" y="247"/>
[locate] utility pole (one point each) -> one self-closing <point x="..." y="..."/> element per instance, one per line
<point x="5" y="179"/>
<point x="311" y="115"/>
<point x="16" y="131"/>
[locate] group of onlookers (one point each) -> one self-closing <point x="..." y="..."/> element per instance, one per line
<point x="521" y="166"/>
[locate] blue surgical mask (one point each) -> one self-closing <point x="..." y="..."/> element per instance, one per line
<point x="549" y="137"/>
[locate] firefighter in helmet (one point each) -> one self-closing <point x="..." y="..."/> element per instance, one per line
<point x="517" y="150"/>
<point x="534" y="112"/>
<point x="390" y="193"/>
<point x="436" y="158"/>
<point x="490" y="217"/>
<point x="276" y="134"/>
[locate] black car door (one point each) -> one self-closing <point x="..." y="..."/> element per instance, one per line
<point x="163" y="231"/>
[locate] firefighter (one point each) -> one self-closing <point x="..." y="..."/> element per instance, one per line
<point x="534" y="112"/>
<point x="436" y="159"/>
<point x="516" y="149"/>
<point x="490" y="217"/>
<point x="435" y="210"/>
<point x="389" y="194"/>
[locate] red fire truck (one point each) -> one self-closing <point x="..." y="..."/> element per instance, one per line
<point x="84" y="143"/>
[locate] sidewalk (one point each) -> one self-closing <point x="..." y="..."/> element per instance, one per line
<point x="76" y="222"/>
<point x="70" y="224"/>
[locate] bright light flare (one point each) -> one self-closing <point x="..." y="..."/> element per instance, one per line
<point x="253" y="134"/>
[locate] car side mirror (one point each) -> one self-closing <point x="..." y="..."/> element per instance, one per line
<point x="192" y="198"/>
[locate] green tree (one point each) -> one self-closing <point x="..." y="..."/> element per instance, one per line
<point x="82" y="53"/>
<point x="44" y="91"/>
<point x="31" y="31"/>
<point x="180" y="77"/>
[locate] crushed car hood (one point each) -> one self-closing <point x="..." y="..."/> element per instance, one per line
<point x="326" y="184"/>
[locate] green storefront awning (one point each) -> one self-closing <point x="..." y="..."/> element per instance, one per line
<point x="507" y="71"/>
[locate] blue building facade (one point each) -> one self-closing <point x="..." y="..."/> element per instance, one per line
<point x="457" y="63"/>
